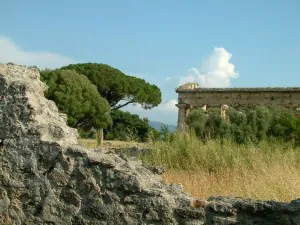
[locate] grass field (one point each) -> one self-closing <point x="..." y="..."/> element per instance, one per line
<point x="270" y="171"/>
<point x="272" y="183"/>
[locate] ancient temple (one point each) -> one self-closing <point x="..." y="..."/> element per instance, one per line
<point x="191" y="95"/>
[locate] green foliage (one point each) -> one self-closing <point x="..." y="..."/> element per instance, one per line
<point x="85" y="134"/>
<point x="282" y="124"/>
<point x="239" y="131"/>
<point x="246" y="126"/>
<point x="77" y="97"/>
<point x="165" y="133"/>
<point x="196" y="121"/>
<point x="78" y="89"/>
<point x="128" y="127"/>
<point x="208" y="125"/>
<point x="117" y="87"/>
<point x="216" y="127"/>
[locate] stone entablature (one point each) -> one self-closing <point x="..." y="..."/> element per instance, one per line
<point x="194" y="96"/>
<point x="258" y="89"/>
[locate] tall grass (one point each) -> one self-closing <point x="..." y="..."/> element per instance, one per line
<point x="269" y="170"/>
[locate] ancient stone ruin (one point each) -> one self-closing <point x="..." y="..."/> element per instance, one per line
<point x="46" y="178"/>
<point x="191" y="95"/>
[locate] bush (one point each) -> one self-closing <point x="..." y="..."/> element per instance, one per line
<point x="128" y="127"/>
<point x="246" y="126"/>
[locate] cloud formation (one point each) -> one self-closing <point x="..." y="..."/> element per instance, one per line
<point x="166" y="112"/>
<point x="11" y="52"/>
<point x="215" y="71"/>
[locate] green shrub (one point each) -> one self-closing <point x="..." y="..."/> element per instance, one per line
<point x="246" y="126"/>
<point x="129" y="127"/>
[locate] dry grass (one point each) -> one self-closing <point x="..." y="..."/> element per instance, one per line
<point x="91" y="143"/>
<point x="277" y="182"/>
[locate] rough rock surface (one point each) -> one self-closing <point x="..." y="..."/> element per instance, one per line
<point x="46" y="178"/>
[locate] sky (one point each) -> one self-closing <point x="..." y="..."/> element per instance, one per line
<point x="216" y="43"/>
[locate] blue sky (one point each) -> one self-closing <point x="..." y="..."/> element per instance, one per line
<point x="235" y="43"/>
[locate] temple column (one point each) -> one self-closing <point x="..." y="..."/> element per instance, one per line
<point x="224" y="109"/>
<point x="183" y="110"/>
<point x="298" y="111"/>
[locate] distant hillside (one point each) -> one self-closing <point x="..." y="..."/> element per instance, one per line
<point x="157" y="125"/>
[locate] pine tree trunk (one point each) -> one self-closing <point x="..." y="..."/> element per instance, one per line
<point x="99" y="136"/>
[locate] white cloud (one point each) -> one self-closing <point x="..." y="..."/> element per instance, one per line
<point x="166" y="112"/>
<point x="215" y="71"/>
<point x="11" y="52"/>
